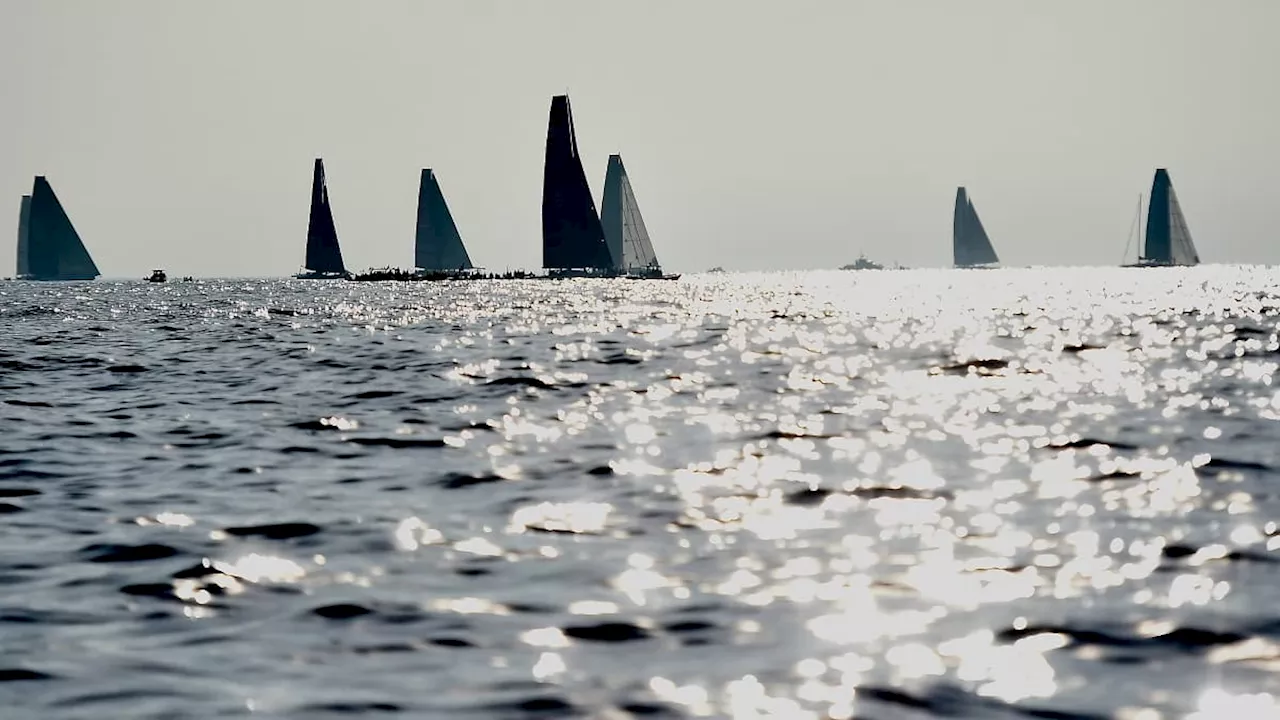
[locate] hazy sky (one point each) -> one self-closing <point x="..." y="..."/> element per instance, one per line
<point x="758" y="135"/>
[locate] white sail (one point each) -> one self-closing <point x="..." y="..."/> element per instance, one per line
<point x="624" y="229"/>
<point x="1180" y="245"/>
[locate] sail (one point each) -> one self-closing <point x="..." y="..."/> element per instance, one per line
<point x="969" y="241"/>
<point x="323" y="253"/>
<point x="624" y="229"/>
<point x="54" y="248"/>
<point x="1168" y="240"/>
<point x="24" y="251"/>
<point x="571" y="233"/>
<point x="437" y="246"/>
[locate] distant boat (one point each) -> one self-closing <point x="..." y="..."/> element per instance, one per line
<point x="324" y="256"/>
<point x="969" y="242"/>
<point x="438" y="245"/>
<point x="158" y="276"/>
<point x="862" y="263"/>
<point x="49" y="248"/>
<point x="572" y="237"/>
<point x="1168" y="240"/>
<point x="624" y="230"/>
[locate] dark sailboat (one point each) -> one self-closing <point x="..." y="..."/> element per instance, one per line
<point x="324" y="256"/>
<point x="437" y="245"/>
<point x="49" y="248"/>
<point x="1168" y="240"/>
<point x="624" y="229"/>
<point x="24" y="252"/>
<point x="970" y="245"/>
<point x="572" y="237"/>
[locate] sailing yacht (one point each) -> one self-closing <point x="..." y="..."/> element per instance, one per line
<point x="970" y="245"/>
<point x="438" y="246"/>
<point x="49" y="248"/>
<point x="324" y="256"/>
<point x="1167" y="240"/>
<point x="572" y="238"/>
<point x="624" y="230"/>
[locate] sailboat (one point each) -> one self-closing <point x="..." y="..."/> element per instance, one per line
<point x="624" y="230"/>
<point x="1168" y="240"/>
<point x="324" y="256"/>
<point x="438" y="246"/>
<point x="572" y="237"/>
<point x="969" y="242"/>
<point x="49" y="248"/>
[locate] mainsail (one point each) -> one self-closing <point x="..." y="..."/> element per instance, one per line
<point x="571" y="233"/>
<point x="323" y="253"/>
<point x="24" y="247"/>
<point x="437" y="246"/>
<point x="624" y="229"/>
<point x="1168" y="241"/>
<point x="54" y="250"/>
<point x="969" y="241"/>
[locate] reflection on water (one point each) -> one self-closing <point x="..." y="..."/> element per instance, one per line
<point x="1005" y="493"/>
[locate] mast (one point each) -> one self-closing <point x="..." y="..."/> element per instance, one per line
<point x="324" y="255"/>
<point x="572" y="236"/>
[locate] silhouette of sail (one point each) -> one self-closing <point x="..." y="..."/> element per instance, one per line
<point x="437" y="246"/>
<point x="1168" y="240"/>
<point x="571" y="233"/>
<point x="624" y="229"/>
<point x="54" y="248"/>
<point x="24" y="248"/>
<point x="324" y="256"/>
<point x="969" y="241"/>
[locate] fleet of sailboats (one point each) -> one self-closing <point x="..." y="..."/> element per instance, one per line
<point x="576" y="240"/>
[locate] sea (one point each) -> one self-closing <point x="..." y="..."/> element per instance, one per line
<point x="1039" y="493"/>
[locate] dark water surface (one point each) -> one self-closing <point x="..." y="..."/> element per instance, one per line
<point x="877" y="495"/>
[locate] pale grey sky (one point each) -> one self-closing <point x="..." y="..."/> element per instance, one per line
<point x="758" y="135"/>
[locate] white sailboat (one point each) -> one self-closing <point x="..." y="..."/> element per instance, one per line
<point x="624" y="229"/>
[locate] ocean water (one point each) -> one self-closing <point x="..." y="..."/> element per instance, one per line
<point x="1022" y="493"/>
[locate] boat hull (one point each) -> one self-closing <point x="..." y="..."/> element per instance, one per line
<point x="1156" y="264"/>
<point x="322" y="276"/>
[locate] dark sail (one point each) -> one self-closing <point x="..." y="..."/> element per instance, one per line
<point x="24" y="254"/>
<point x="438" y="245"/>
<point x="969" y="242"/>
<point x="54" y="249"/>
<point x="571" y="233"/>
<point x="1168" y="240"/>
<point x="323" y="253"/>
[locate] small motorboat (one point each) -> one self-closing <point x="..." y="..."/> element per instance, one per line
<point x="158" y="276"/>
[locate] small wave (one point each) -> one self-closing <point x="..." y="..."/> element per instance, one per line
<point x="106" y="553"/>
